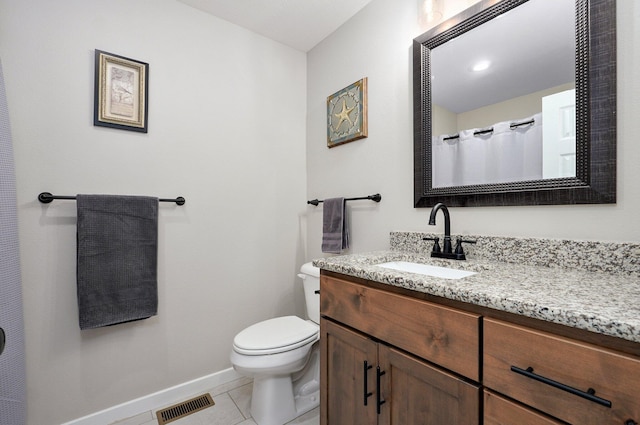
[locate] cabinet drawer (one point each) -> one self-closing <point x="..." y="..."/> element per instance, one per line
<point x="577" y="382"/>
<point x="442" y="335"/>
<point x="500" y="411"/>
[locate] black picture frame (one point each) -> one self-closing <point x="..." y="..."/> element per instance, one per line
<point x="121" y="97"/>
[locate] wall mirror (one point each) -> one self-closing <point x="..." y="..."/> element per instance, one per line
<point x="515" y="104"/>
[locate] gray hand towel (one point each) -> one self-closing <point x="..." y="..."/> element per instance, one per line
<point x="335" y="234"/>
<point x="117" y="259"/>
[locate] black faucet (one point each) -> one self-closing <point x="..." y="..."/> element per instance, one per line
<point x="447" y="251"/>
<point x="447" y="225"/>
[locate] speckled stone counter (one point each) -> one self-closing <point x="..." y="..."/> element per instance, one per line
<point x="586" y="285"/>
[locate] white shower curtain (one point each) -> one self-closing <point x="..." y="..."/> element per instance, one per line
<point x="12" y="361"/>
<point x="506" y="154"/>
<point x="531" y="139"/>
<point x="444" y="156"/>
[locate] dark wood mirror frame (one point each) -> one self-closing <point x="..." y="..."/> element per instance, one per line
<point x="595" y="181"/>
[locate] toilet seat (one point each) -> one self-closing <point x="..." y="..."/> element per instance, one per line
<point x="275" y="336"/>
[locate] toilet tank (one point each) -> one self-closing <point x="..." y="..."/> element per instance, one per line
<point x="310" y="276"/>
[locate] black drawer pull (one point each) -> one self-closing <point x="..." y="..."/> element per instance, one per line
<point x="589" y="394"/>
<point x="379" y="400"/>
<point x="630" y="422"/>
<point x="367" y="394"/>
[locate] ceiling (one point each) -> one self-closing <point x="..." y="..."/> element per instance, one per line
<point x="516" y="49"/>
<point x="300" y="24"/>
<point x="530" y="48"/>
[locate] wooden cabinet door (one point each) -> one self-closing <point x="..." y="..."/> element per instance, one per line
<point x="415" y="392"/>
<point x="344" y="399"/>
<point x="442" y="335"/>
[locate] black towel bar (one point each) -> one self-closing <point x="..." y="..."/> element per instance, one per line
<point x="375" y="198"/>
<point x="46" y="197"/>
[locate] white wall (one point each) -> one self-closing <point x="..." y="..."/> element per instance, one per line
<point x="226" y="131"/>
<point x="377" y="44"/>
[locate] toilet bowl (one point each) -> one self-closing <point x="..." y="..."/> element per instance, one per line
<point x="283" y="358"/>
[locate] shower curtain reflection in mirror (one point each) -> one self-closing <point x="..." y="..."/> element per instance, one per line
<point x="511" y="151"/>
<point x="507" y="151"/>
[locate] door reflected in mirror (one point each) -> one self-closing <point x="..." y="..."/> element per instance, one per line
<point x="503" y="95"/>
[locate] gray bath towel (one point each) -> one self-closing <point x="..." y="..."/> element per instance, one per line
<point x="335" y="234"/>
<point x="117" y="259"/>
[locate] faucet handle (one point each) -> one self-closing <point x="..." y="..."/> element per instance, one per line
<point x="436" y="244"/>
<point x="459" y="242"/>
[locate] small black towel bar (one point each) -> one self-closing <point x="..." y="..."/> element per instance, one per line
<point x="375" y="198"/>
<point x="46" y="197"/>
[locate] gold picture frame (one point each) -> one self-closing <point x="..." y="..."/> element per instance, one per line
<point x="121" y="92"/>
<point x="347" y="114"/>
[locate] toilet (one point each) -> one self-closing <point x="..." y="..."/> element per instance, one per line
<point x="283" y="358"/>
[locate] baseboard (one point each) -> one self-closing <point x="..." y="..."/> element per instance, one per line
<point x="157" y="400"/>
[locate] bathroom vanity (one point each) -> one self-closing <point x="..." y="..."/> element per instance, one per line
<point x="395" y="353"/>
<point x="514" y="343"/>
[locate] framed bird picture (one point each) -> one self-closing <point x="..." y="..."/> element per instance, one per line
<point x="121" y="92"/>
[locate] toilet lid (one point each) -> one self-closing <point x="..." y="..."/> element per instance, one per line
<point x="275" y="336"/>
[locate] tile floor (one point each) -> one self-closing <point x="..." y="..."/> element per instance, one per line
<point x="232" y="401"/>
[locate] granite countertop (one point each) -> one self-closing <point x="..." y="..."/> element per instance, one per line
<point x="597" y="301"/>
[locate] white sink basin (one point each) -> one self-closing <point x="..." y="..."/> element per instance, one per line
<point x="425" y="269"/>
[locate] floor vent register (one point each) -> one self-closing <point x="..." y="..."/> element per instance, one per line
<point x="186" y="408"/>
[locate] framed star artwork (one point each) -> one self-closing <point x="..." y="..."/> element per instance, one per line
<point x="347" y="114"/>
